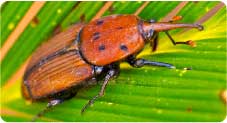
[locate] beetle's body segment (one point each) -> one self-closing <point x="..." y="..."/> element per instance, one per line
<point x="111" y="39"/>
<point x="87" y="52"/>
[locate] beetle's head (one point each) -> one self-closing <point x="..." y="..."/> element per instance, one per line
<point x="150" y="30"/>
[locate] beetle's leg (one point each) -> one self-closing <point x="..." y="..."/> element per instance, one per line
<point x="50" y="104"/>
<point x="154" y="44"/>
<point x="142" y="62"/>
<point x="191" y="43"/>
<point x="61" y="97"/>
<point x="110" y="74"/>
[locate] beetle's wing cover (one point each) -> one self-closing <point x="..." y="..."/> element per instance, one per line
<point x="56" y="43"/>
<point x="57" y="74"/>
<point x="111" y="39"/>
<point x="47" y="73"/>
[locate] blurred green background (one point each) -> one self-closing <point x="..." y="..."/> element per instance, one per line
<point x="144" y="94"/>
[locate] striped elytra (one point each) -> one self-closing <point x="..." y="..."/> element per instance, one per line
<point x="55" y="66"/>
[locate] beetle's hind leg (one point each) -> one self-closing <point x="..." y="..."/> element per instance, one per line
<point x="110" y="74"/>
<point x="56" y="100"/>
<point x="50" y="104"/>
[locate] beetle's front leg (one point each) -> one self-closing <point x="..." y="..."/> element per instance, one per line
<point x="110" y="74"/>
<point x="139" y="62"/>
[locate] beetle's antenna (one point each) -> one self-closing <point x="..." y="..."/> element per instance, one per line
<point x="50" y="104"/>
<point x="190" y="42"/>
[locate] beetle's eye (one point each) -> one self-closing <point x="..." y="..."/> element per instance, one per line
<point x="152" y="21"/>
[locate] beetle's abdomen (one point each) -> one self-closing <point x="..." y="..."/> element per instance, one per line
<point x="110" y="39"/>
<point x="57" y="74"/>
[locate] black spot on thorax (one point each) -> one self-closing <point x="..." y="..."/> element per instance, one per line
<point x="123" y="47"/>
<point x="102" y="47"/>
<point x="118" y="28"/>
<point x="96" y="35"/>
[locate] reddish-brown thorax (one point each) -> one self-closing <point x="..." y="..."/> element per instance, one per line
<point x="111" y="39"/>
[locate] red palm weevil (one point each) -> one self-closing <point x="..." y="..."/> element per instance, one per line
<point x="85" y="52"/>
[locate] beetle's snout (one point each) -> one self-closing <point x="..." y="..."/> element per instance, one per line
<point x="165" y="26"/>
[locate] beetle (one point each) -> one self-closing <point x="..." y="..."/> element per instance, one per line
<point x="87" y="53"/>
